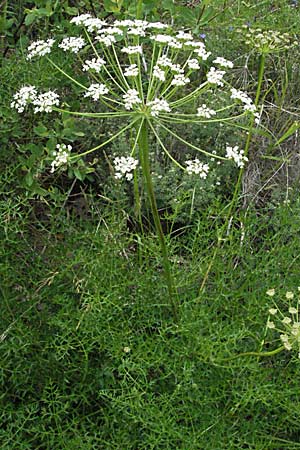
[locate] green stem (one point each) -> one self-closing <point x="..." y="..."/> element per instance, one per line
<point x="258" y="354"/>
<point x="145" y="162"/>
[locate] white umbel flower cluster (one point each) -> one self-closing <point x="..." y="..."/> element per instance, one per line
<point x="131" y="71"/>
<point x="196" y="167"/>
<point x="193" y="64"/>
<point x="72" y="44"/>
<point x="159" y="73"/>
<point x="157" y="106"/>
<point x="223" y="62"/>
<point x="131" y="98"/>
<point x="62" y="155"/>
<point x="247" y="101"/>
<point x="124" y="166"/>
<point x="40" y="48"/>
<point x="95" y="64"/>
<point x="236" y="155"/>
<point x="180" y="80"/>
<point x="132" y="50"/>
<point x="44" y="102"/>
<point x="204" y="111"/>
<point x="96" y="91"/>
<point x="23" y="97"/>
<point x="214" y="76"/>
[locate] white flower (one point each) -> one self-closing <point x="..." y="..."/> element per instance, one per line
<point x="132" y="50"/>
<point x="157" y="106"/>
<point x="96" y="91"/>
<point x="107" y="40"/>
<point x="215" y="76"/>
<point x="80" y="20"/>
<point x="124" y="167"/>
<point x="159" y="73"/>
<point x="201" y="52"/>
<point x="131" y="98"/>
<point x="94" y="24"/>
<point x="40" y="48"/>
<point x="204" y="111"/>
<point x="131" y="71"/>
<point x="193" y="64"/>
<point x="23" y="97"/>
<point x="157" y="25"/>
<point x="285" y="340"/>
<point x="45" y="102"/>
<point x="270" y="324"/>
<point x="139" y="31"/>
<point x="270" y="292"/>
<point x="73" y="44"/>
<point x="223" y="62"/>
<point x="184" y="36"/>
<point x="197" y="167"/>
<point x="93" y="64"/>
<point x="273" y="311"/>
<point x="61" y="156"/>
<point x="180" y="80"/>
<point x="293" y="310"/>
<point x="237" y="156"/>
<point x="162" y="38"/>
<point x="289" y="295"/>
<point x="164" y="61"/>
<point x="286" y="320"/>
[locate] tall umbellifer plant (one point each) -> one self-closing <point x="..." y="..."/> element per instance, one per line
<point x="153" y="78"/>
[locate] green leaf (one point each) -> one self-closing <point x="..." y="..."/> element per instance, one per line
<point x="41" y="130"/>
<point x="294" y="127"/>
<point x="28" y="179"/>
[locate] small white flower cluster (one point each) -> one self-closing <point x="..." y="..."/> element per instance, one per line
<point x="193" y="64"/>
<point x="44" y="102"/>
<point x="180" y="80"/>
<point x="62" y="155"/>
<point x="167" y="39"/>
<point x="73" y="44"/>
<point x="106" y="39"/>
<point x="124" y="166"/>
<point x="223" y="62"/>
<point x="215" y="76"/>
<point x="157" y="106"/>
<point x="91" y="23"/>
<point x="204" y="111"/>
<point x="131" y="98"/>
<point x="198" y="48"/>
<point x="131" y="71"/>
<point x="28" y="94"/>
<point x="184" y="36"/>
<point x="132" y="49"/>
<point x="93" y="64"/>
<point x="40" y="48"/>
<point x="247" y="101"/>
<point x="288" y="325"/>
<point x="96" y="91"/>
<point x="197" y="167"/>
<point x="237" y="156"/>
<point x="23" y="97"/>
<point x="159" y="73"/>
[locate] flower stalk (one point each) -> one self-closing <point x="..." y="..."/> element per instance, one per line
<point x="145" y="163"/>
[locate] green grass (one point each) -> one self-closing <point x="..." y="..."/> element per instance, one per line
<point x="79" y="295"/>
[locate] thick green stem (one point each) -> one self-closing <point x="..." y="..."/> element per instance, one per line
<point x="145" y="161"/>
<point x="258" y="354"/>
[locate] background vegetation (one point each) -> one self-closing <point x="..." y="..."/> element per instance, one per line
<point x="90" y="357"/>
